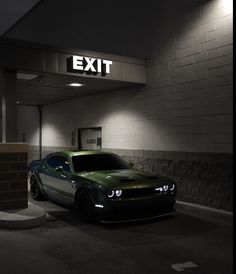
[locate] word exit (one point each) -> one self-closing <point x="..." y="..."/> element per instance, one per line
<point x="89" y="65"/>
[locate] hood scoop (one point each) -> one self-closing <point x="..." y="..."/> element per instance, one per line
<point x="127" y="180"/>
<point x="152" y="177"/>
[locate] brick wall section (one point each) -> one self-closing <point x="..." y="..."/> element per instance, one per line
<point x="202" y="178"/>
<point x="13" y="176"/>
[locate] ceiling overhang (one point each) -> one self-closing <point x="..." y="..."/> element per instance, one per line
<point x="44" y="77"/>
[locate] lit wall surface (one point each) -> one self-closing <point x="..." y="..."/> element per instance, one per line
<point x="28" y="125"/>
<point x="187" y="104"/>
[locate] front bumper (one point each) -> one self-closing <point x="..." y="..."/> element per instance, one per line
<point x="123" y="210"/>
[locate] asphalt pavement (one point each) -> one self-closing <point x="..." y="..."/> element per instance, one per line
<point x="168" y="245"/>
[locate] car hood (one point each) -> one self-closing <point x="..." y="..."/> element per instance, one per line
<point x="125" y="178"/>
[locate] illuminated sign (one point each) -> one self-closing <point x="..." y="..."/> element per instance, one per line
<point x="88" y="65"/>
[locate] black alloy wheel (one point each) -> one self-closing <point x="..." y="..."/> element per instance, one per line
<point x="35" y="189"/>
<point x="84" y="207"/>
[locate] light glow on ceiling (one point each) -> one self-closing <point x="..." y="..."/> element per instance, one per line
<point x="74" y="85"/>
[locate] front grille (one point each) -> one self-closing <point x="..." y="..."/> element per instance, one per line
<point x="147" y="191"/>
<point x="138" y="192"/>
<point x="127" y="180"/>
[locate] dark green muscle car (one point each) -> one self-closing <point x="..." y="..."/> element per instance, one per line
<point x="101" y="186"/>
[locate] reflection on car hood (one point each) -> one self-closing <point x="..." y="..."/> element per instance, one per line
<point x="124" y="178"/>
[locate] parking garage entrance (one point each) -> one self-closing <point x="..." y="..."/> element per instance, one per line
<point x="35" y="76"/>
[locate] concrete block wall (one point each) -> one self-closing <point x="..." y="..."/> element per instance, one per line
<point x="190" y="79"/>
<point x="183" y="114"/>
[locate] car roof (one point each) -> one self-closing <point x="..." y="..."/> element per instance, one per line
<point x="81" y="152"/>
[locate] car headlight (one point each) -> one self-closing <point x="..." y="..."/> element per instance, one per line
<point x="160" y="189"/>
<point x="114" y="193"/>
<point x="172" y="187"/>
<point x="118" y="192"/>
<point x="111" y="193"/>
<point x="165" y="187"/>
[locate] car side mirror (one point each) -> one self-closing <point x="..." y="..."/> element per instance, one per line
<point x="131" y="165"/>
<point x="59" y="169"/>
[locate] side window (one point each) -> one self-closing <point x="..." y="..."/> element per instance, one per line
<point x="56" y="161"/>
<point x="65" y="164"/>
<point x="53" y="162"/>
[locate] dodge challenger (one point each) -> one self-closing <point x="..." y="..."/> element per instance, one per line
<point x="101" y="186"/>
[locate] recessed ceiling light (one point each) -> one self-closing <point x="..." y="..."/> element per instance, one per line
<point x="74" y="85"/>
<point x="18" y="102"/>
<point x="26" y="76"/>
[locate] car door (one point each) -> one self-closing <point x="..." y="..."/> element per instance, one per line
<point x="56" y="178"/>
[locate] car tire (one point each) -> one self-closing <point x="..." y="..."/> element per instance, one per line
<point x="84" y="207"/>
<point x="35" y="190"/>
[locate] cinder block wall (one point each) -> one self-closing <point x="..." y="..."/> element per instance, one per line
<point x="180" y="123"/>
<point x="190" y="80"/>
<point x="202" y="178"/>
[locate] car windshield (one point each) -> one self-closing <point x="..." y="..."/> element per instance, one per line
<point x="96" y="162"/>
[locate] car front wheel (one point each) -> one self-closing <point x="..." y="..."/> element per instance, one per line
<point x="84" y="207"/>
<point x="36" y="192"/>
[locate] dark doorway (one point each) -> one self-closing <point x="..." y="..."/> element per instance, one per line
<point x="90" y="138"/>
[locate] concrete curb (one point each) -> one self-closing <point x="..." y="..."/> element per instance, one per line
<point x="205" y="213"/>
<point x="30" y="217"/>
